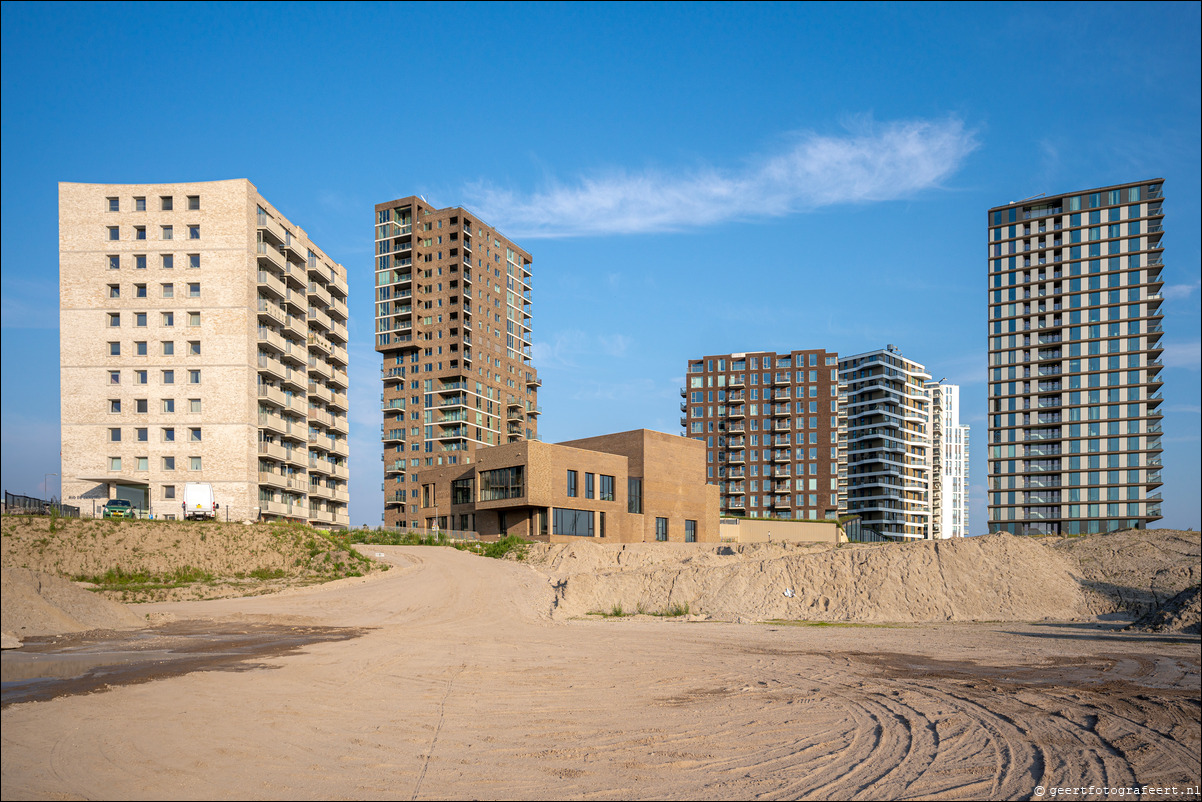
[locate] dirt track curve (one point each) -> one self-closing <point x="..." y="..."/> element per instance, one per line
<point x="463" y="686"/>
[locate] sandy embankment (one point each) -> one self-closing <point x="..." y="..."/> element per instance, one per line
<point x="41" y="604"/>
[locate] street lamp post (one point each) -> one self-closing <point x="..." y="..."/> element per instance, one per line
<point x="46" y="485"/>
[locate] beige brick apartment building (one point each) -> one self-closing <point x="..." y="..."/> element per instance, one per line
<point x="202" y="339"/>
<point x="630" y="487"/>
<point x="453" y="317"/>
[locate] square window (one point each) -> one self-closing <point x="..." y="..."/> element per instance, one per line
<point x="194" y="318"/>
<point x="114" y="233"/>
<point x="169" y="490"/>
<point x="140" y="319"/>
<point x="114" y="405"/>
<point x="193" y="405"/>
<point x="140" y="347"/>
<point x="114" y="204"/>
<point x="140" y="406"/>
<point x="169" y="434"/>
<point x="193" y="232"/>
<point x="114" y="463"/>
<point x="168" y="377"/>
<point x="139" y="232"/>
<point x="114" y="319"/>
<point x="143" y="463"/>
<point x="139" y="377"/>
<point x="194" y="435"/>
<point x="140" y="261"/>
<point x="168" y="233"/>
<point x="169" y="463"/>
<point x="194" y="347"/>
<point x="114" y="349"/>
<point x="114" y="435"/>
<point x="139" y="204"/>
<point x="167" y="203"/>
<point x="168" y="261"/>
<point x="114" y="377"/>
<point x="114" y="290"/>
<point x="143" y="435"/>
<point x="168" y="290"/>
<point x="195" y="463"/>
<point x="193" y="203"/>
<point x="194" y="377"/>
<point x="194" y="289"/>
<point x="140" y="290"/>
<point x="194" y="260"/>
<point x="169" y="405"/>
<point x="168" y="348"/>
<point x="168" y="319"/>
<point x="114" y="262"/>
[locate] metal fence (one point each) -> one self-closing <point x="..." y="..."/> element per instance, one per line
<point x="17" y="504"/>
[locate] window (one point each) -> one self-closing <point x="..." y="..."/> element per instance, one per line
<point x="572" y="484"/>
<point x="194" y="435"/>
<point x="114" y="463"/>
<point x="634" y="495"/>
<point x="194" y="463"/>
<point x="114" y="262"/>
<point x="168" y="261"/>
<point x="194" y="289"/>
<point x="140" y="406"/>
<point x="607" y="488"/>
<point x="140" y="290"/>
<point x="140" y="320"/>
<point x="114" y="405"/>
<point x="143" y="463"/>
<point x="588" y="485"/>
<point x="114" y="290"/>
<point x="168" y="232"/>
<point x="114" y="377"/>
<point x="139" y="204"/>
<point x="142" y="434"/>
<point x="169" y="463"/>
<point x="114" y="435"/>
<point x="578" y="523"/>
<point x="502" y="483"/>
<point x="167" y="203"/>
<point x="168" y="290"/>
<point x="169" y="490"/>
<point x="194" y="377"/>
<point x="194" y="348"/>
<point x="194" y="318"/>
<point x="114" y="319"/>
<point x="114" y="349"/>
<point x="194" y="260"/>
<point x="193" y="203"/>
<point x="168" y="319"/>
<point x="139" y="232"/>
<point x="168" y="348"/>
<point x="140" y="262"/>
<point x="139" y="377"/>
<point x="194" y="405"/>
<point x="140" y="346"/>
<point x="168" y="377"/>
<point x="690" y="531"/>
<point x="114" y="233"/>
<point x="193" y="232"/>
<point x="114" y="204"/>
<point x="661" y="529"/>
<point x="169" y="405"/>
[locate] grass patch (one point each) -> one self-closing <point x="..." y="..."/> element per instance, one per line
<point x="268" y="573"/>
<point x="674" y="611"/>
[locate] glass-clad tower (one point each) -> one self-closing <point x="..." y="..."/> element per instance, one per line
<point x="1075" y="328"/>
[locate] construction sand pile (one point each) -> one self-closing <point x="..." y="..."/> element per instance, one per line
<point x="41" y="604"/>
<point x="1138" y="570"/>
<point x="989" y="578"/>
<point x="1182" y="613"/>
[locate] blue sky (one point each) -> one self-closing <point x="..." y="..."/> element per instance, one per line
<point x="690" y="179"/>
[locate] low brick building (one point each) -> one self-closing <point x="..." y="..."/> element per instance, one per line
<point x="628" y="487"/>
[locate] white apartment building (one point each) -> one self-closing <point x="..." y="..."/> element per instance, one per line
<point x="202" y="339"/>
<point x="949" y="463"/>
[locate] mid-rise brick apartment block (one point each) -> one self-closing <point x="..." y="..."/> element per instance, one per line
<point x="1075" y="327"/>
<point x="630" y="487"/>
<point x="202" y="339"/>
<point x="453" y="318"/>
<point x="774" y="431"/>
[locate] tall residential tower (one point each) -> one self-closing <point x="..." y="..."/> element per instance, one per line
<point x="1075" y="331"/>
<point x="453" y="317"/>
<point x="202" y="338"/>
<point x="949" y="463"/>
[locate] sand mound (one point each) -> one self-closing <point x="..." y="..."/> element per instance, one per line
<point x="989" y="578"/>
<point x="1137" y="570"/>
<point x="42" y="604"/>
<point x="1182" y="613"/>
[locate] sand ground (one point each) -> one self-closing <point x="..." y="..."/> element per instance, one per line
<point x="458" y="683"/>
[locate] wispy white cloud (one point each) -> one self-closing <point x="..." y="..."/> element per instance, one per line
<point x="563" y="348"/>
<point x="1177" y="292"/>
<point x="1183" y="355"/>
<point x="871" y="162"/>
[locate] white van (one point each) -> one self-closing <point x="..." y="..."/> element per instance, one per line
<point x="198" y="501"/>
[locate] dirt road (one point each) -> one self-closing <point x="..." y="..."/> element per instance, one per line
<point x="463" y="687"/>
